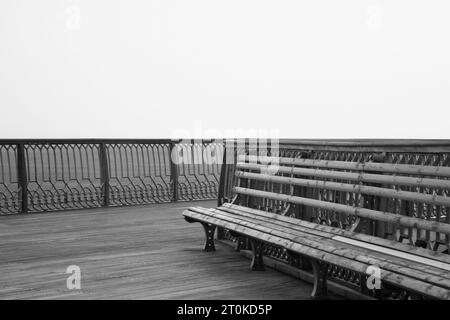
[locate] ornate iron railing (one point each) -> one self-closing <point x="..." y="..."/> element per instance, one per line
<point x="53" y="175"/>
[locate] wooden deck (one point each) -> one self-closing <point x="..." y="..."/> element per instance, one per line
<point x="146" y="252"/>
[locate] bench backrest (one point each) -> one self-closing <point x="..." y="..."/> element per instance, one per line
<point x="404" y="202"/>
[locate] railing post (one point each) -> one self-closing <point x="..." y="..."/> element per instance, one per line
<point x="173" y="172"/>
<point x="104" y="174"/>
<point x="223" y="176"/>
<point x="221" y="195"/>
<point x="22" y="176"/>
<point x="225" y="170"/>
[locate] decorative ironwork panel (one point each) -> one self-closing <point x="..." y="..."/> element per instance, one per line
<point x="139" y="173"/>
<point x="63" y="176"/>
<point x="198" y="165"/>
<point x="10" y="191"/>
<point x="429" y="239"/>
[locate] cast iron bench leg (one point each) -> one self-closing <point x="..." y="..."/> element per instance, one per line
<point x="257" y="260"/>
<point x="320" y="279"/>
<point x="209" y="233"/>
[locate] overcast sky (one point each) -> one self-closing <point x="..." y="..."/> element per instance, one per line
<point x="296" y="69"/>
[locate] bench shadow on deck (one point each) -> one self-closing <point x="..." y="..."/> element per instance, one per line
<point x="146" y="252"/>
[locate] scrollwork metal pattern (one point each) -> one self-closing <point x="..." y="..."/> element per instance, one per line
<point x="198" y="168"/>
<point x="74" y="174"/>
<point x="139" y="173"/>
<point x="62" y="176"/>
<point x="10" y="191"/>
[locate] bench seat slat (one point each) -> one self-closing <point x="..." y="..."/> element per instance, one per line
<point x="391" y="277"/>
<point x="356" y="211"/>
<point x="398" y="254"/>
<point x="333" y="231"/>
<point x="397" y="265"/>
<point x="404" y="259"/>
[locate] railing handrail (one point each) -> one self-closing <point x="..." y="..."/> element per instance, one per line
<point x="282" y="141"/>
<point x="361" y="145"/>
<point x="99" y="141"/>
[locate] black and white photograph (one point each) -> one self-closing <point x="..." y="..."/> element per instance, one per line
<point x="223" y="158"/>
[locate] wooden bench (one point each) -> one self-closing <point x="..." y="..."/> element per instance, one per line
<point x="269" y="210"/>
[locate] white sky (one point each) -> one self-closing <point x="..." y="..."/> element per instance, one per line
<point x="157" y="69"/>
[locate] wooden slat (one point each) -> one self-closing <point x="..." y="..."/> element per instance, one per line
<point x="355" y="188"/>
<point x="438" y="171"/>
<point x="353" y="176"/>
<point x="402" y="281"/>
<point x="396" y="253"/>
<point x="356" y="211"/>
<point x="432" y="266"/>
<point x="391" y="244"/>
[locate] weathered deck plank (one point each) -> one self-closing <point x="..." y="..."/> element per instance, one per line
<point x="146" y="252"/>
